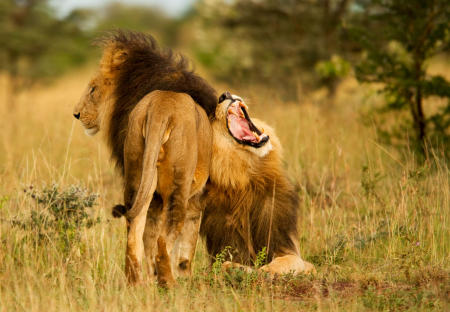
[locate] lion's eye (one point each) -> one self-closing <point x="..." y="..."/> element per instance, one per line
<point x="92" y="90"/>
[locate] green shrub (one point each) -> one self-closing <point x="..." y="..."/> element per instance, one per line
<point x="59" y="216"/>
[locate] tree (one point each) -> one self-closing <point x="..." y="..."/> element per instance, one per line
<point x="278" y="42"/>
<point x="35" y="44"/>
<point x="137" y="17"/>
<point x="403" y="37"/>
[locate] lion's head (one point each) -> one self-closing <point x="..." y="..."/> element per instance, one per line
<point x="91" y="106"/>
<point x="232" y="114"/>
<point x="94" y="103"/>
<point x="132" y="65"/>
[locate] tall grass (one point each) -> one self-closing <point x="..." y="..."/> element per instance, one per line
<point x="373" y="221"/>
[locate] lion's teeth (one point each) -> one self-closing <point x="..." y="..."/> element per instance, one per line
<point x="258" y="138"/>
<point x="232" y="112"/>
<point x="242" y="104"/>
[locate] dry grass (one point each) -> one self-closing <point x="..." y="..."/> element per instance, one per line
<point x="375" y="224"/>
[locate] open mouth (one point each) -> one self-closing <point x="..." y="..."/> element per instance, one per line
<point x="242" y="128"/>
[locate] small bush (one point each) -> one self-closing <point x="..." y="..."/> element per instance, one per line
<point x="60" y="215"/>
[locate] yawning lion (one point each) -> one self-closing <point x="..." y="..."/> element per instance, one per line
<point x="250" y="203"/>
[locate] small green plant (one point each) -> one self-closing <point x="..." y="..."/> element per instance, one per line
<point x="239" y="277"/>
<point x="220" y="259"/>
<point x="68" y="205"/>
<point x="261" y="258"/>
<point x="60" y="215"/>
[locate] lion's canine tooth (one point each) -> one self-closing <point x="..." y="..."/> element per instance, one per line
<point x="231" y="111"/>
<point x="242" y="104"/>
<point x="258" y="138"/>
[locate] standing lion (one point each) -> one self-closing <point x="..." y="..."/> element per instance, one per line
<point x="250" y="203"/>
<point x="152" y="109"/>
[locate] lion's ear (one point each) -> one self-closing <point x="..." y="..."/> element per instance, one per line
<point x="112" y="61"/>
<point x="118" y="59"/>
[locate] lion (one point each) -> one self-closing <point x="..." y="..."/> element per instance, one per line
<point x="155" y="115"/>
<point x="250" y="203"/>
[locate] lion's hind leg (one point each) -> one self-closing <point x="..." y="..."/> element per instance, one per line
<point x="184" y="248"/>
<point x="163" y="269"/>
<point x="175" y="188"/>
<point x="151" y="234"/>
<point x="172" y="221"/>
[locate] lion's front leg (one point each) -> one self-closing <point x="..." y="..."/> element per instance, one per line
<point x="228" y="265"/>
<point x="288" y="264"/>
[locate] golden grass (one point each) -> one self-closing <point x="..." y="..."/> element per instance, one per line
<point x="375" y="224"/>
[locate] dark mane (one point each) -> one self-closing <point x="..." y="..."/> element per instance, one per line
<point x="147" y="68"/>
<point x="240" y="218"/>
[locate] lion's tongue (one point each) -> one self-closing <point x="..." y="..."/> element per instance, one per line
<point x="240" y="129"/>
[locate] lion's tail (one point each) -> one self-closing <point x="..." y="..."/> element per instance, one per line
<point x="155" y="129"/>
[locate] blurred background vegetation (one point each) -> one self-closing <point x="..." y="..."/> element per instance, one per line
<point x="289" y="47"/>
<point x="357" y="91"/>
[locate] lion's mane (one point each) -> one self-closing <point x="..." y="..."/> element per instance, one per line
<point x="146" y="68"/>
<point x="250" y="202"/>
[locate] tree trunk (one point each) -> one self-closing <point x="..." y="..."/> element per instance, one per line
<point x="420" y="121"/>
<point x="416" y="105"/>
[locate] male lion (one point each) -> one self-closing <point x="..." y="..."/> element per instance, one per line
<point x="250" y="203"/>
<point x="152" y="109"/>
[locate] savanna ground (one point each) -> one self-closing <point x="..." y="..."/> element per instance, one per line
<point x="375" y="223"/>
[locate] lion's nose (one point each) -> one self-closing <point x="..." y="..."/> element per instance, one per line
<point x="77" y="115"/>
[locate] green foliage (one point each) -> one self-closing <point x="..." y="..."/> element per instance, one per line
<point x="331" y="71"/>
<point x="59" y="215"/>
<point x="261" y="258"/>
<point x="68" y="205"/>
<point x="240" y="278"/>
<point x="36" y="44"/>
<point x="334" y="68"/>
<point x="219" y="260"/>
<point x="402" y="38"/>
<point x="273" y="42"/>
<point x="139" y="18"/>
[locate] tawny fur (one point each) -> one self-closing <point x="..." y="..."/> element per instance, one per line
<point x="161" y="142"/>
<point x="250" y="202"/>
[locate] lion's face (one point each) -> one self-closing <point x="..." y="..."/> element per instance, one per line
<point x="92" y="104"/>
<point x="232" y="113"/>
